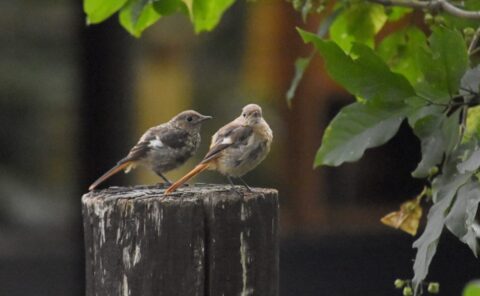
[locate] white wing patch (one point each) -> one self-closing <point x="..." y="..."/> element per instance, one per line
<point x="155" y="143"/>
<point x="227" y="140"/>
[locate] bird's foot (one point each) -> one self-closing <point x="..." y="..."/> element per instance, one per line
<point x="163" y="185"/>
<point x="246" y="185"/>
<point x="233" y="189"/>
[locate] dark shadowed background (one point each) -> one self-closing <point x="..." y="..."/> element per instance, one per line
<point x="73" y="99"/>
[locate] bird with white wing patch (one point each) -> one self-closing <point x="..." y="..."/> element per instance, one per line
<point x="164" y="147"/>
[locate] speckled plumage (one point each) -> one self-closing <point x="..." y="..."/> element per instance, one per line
<point x="164" y="147"/>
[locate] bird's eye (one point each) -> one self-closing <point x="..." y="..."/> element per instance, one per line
<point x="189" y="118"/>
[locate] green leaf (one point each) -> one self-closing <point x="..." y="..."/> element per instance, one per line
<point x="432" y="92"/>
<point x="472" y="289"/>
<point x="445" y="61"/>
<point x="206" y="14"/>
<point x="167" y="7"/>
<point x="460" y="23"/>
<point x="416" y="102"/>
<point x="471" y="163"/>
<point x="99" y="10"/>
<point x="399" y="49"/>
<point x="451" y="179"/>
<point x="423" y="111"/>
<point x="300" y="65"/>
<point x="356" y="128"/>
<point x="471" y="81"/>
<point x="395" y="13"/>
<point x="444" y="188"/>
<point x="428" y="241"/>
<point x="360" y="22"/>
<point x="451" y="131"/>
<point x="472" y="130"/>
<point x="461" y="218"/>
<point x="367" y="76"/>
<point x="428" y="129"/>
<point x="138" y="15"/>
<point x="360" y="126"/>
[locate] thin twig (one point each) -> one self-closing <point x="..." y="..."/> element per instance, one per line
<point x="454" y="10"/>
<point x="430" y="102"/>
<point x="405" y="3"/>
<point x="468" y="90"/>
<point x="463" y="123"/>
<point x="473" y="44"/>
<point x="432" y="5"/>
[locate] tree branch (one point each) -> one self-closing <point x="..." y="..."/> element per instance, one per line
<point x="454" y="10"/>
<point x="405" y="3"/>
<point x="472" y="48"/>
<point x="432" y="5"/>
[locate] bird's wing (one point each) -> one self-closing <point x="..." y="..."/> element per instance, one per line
<point x="233" y="135"/>
<point x="137" y="152"/>
<point x="174" y="138"/>
<point x="225" y="130"/>
<point x="159" y="137"/>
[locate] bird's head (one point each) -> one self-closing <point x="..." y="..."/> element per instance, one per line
<point x="189" y="120"/>
<point x="252" y="114"/>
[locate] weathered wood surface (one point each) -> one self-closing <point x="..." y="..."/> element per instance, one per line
<point x="203" y="240"/>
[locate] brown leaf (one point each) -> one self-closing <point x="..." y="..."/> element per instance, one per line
<point x="407" y="218"/>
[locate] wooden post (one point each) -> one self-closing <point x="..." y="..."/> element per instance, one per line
<point x="203" y="240"/>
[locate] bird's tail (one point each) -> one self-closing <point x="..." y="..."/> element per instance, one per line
<point x="110" y="173"/>
<point x="197" y="170"/>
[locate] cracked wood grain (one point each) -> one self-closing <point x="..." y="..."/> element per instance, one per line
<point x="203" y="240"/>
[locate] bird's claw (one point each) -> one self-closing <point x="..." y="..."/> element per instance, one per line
<point x="163" y="184"/>
<point x="233" y="189"/>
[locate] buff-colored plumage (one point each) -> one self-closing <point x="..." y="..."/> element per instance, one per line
<point x="236" y="148"/>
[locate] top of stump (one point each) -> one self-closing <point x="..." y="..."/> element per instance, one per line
<point x="192" y="192"/>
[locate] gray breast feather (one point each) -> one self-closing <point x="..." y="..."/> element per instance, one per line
<point x="258" y="151"/>
<point x="253" y="154"/>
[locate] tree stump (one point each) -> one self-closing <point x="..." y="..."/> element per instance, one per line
<point x="204" y="240"/>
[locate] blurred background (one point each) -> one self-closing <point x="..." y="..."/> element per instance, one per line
<point x="74" y="99"/>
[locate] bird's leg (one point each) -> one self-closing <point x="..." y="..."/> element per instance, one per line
<point x="233" y="185"/>
<point x="246" y="185"/>
<point x="167" y="182"/>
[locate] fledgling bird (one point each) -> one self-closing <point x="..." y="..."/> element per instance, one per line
<point x="236" y="148"/>
<point x="164" y="147"/>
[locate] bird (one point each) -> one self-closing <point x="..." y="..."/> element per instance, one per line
<point x="236" y="148"/>
<point x="164" y="147"/>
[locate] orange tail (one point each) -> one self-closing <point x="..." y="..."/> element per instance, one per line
<point x="197" y="170"/>
<point x="108" y="174"/>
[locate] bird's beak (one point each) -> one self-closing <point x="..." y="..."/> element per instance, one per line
<point x="204" y="117"/>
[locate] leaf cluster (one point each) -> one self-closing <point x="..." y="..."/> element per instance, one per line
<point x="137" y="15"/>
<point x="428" y="78"/>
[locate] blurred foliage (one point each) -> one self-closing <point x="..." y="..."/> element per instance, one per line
<point x="472" y="289"/>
